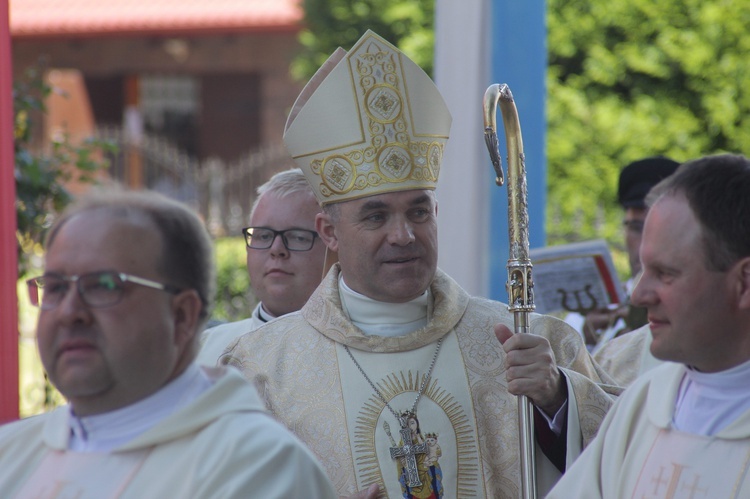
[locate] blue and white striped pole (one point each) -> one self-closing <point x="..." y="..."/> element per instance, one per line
<point x="519" y="58"/>
<point x="478" y="43"/>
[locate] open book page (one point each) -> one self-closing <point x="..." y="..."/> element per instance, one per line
<point x="577" y="277"/>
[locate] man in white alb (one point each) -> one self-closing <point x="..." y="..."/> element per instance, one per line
<point x="682" y="429"/>
<point x="601" y="326"/>
<point x="284" y="258"/>
<point x="127" y="286"/>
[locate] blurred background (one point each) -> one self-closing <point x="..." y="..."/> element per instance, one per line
<point x="190" y="97"/>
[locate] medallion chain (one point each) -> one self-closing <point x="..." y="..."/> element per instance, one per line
<point x="421" y="388"/>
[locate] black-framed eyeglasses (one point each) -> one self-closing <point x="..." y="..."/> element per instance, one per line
<point x="96" y="289"/>
<point x="293" y="239"/>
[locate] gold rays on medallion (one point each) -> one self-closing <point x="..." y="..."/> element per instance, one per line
<point x="366" y="459"/>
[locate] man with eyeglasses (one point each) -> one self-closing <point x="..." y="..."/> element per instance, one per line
<point x="635" y="181"/>
<point x="127" y="286"/>
<point x="285" y="257"/>
<point x="626" y="356"/>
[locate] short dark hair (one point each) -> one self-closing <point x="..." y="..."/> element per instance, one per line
<point x="334" y="212"/>
<point x="717" y="189"/>
<point x="187" y="259"/>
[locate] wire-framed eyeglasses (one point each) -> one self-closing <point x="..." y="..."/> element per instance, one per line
<point x="635" y="226"/>
<point x="96" y="289"/>
<point x="293" y="239"/>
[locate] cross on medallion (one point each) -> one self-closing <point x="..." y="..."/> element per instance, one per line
<point x="409" y="452"/>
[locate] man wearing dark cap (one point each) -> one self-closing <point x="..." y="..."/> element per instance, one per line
<point x="683" y="429"/>
<point x="636" y="180"/>
<point x="628" y="356"/>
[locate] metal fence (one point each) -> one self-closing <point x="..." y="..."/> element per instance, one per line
<point x="222" y="193"/>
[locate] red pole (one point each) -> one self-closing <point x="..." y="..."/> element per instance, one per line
<point x="8" y="255"/>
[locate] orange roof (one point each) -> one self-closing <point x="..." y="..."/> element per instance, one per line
<point x="86" y="18"/>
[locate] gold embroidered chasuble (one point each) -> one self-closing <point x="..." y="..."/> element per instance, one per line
<point x="465" y="416"/>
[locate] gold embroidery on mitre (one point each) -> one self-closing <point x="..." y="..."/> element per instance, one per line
<point x="392" y="153"/>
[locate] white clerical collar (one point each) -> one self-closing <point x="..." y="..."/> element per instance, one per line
<point x="263" y="314"/>
<point x="104" y="432"/>
<point x="381" y="318"/>
<point x="708" y="402"/>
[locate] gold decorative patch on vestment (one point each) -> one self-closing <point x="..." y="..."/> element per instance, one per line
<point x="460" y="431"/>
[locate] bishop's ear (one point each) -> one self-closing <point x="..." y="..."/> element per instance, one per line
<point x="327" y="230"/>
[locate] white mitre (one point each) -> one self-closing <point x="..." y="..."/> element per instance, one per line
<point x="370" y="121"/>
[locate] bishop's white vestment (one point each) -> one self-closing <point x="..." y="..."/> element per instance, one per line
<point x="223" y="444"/>
<point x="639" y="453"/>
<point x="628" y="356"/>
<point x="466" y="428"/>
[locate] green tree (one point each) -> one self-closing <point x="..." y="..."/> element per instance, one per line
<point x="633" y="79"/>
<point x="625" y="80"/>
<point x="40" y="176"/>
<point x="340" y="23"/>
<point x="40" y="196"/>
<point x="234" y="297"/>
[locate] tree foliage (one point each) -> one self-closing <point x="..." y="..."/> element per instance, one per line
<point x="633" y="79"/>
<point x="41" y="176"/>
<point x="234" y="298"/>
<point x="626" y="80"/>
<point x="340" y="23"/>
